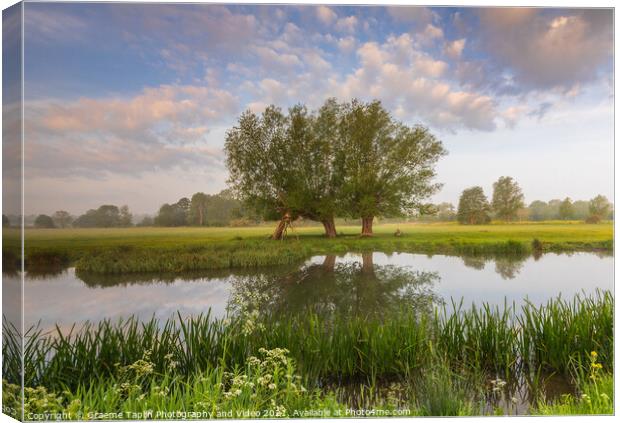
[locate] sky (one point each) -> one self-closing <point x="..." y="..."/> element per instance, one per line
<point x="130" y="103"/>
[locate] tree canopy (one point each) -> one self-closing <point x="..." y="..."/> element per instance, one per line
<point x="387" y="167"/>
<point x="599" y="208"/>
<point x="507" y="198"/>
<point x="474" y="207"/>
<point x="106" y="216"/>
<point x="44" y="221"/>
<point x="348" y="159"/>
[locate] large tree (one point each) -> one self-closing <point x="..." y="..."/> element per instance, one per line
<point x="474" y="207"/>
<point x="507" y="198"/>
<point x="260" y="167"/>
<point x="198" y="209"/>
<point x="173" y="214"/>
<point x="282" y="165"/>
<point x="313" y="137"/>
<point x="387" y="167"/>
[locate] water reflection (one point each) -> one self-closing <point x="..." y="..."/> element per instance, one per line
<point x="349" y="288"/>
<point x="373" y="283"/>
<point x="507" y="266"/>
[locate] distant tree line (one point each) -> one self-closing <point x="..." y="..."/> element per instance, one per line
<point x="507" y="204"/>
<point x="202" y="209"/>
<point x="106" y="216"/>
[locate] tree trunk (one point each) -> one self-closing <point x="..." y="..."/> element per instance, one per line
<point x="368" y="267"/>
<point x="330" y="227"/>
<point x="277" y="234"/>
<point x="367" y="226"/>
<point x="329" y="263"/>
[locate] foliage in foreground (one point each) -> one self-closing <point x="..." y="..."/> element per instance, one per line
<point x="504" y="342"/>
<point x="595" y="393"/>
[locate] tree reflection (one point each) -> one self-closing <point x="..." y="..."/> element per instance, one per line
<point x="507" y="266"/>
<point x="351" y="289"/>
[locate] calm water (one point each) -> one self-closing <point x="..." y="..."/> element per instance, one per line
<point x="353" y="283"/>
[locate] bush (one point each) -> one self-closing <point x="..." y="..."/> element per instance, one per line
<point x="593" y="219"/>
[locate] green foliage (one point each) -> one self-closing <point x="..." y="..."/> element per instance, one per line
<point x="172" y="214"/>
<point x="595" y="393"/>
<point x="167" y="249"/>
<point x="388" y="167"/>
<point x="358" y="162"/>
<point x="106" y="216"/>
<point x="44" y="221"/>
<point x="473" y="208"/>
<point x="284" y="364"/>
<point x="599" y="208"/>
<point x="561" y="332"/>
<point x="507" y="198"/>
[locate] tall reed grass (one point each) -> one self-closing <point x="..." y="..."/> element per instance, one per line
<point x="331" y="347"/>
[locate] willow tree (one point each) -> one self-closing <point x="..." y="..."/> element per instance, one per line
<point x="312" y="143"/>
<point x="259" y="165"/>
<point x="281" y="166"/>
<point x="387" y="167"/>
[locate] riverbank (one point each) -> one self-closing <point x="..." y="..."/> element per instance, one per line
<point x="131" y="250"/>
<point x="482" y="360"/>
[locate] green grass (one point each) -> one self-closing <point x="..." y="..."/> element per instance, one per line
<point x="123" y="250"/>
<point x="456" y="352"/>
<point x="438" y="364"/>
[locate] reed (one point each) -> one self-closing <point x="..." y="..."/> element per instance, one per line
<point x="332" y="347"/>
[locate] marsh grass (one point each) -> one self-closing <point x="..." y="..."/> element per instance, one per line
<point x="330" y="348"/>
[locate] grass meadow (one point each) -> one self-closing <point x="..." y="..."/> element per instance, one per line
<point x="130" y="250"/>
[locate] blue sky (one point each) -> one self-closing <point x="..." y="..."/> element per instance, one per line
<point x="129" y="104"/>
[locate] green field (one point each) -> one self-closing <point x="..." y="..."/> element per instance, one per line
<point x="118" y="250"/>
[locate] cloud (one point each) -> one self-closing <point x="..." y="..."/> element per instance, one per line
<point x="549" y="50"/>
<point x="325" y="14"/>
<point x="160" y="128"/>
<point x="414" y="14"/>
<point x="409" y="81"/>
<point x="512" y="115"/>
<point x="348" y="24"/>
<point x="542" y="109"/>
<point x="273" y="59"/>
<point x="454" y="49"/>
<point x="51" y="26"/>
<point x="347" y="44"/>
<point x="430" y="34"/>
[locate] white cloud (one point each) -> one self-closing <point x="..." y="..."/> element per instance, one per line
<point x="430" y="34"/>
<point x="410" y="82"/>
<point x="347" y="44"/>
<point x="270" y="58"/>
<point x="161" y="127"/>
<point x="454" y="49"/>
<point x="325" y="14"/>
<point x="348" y="24"/>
